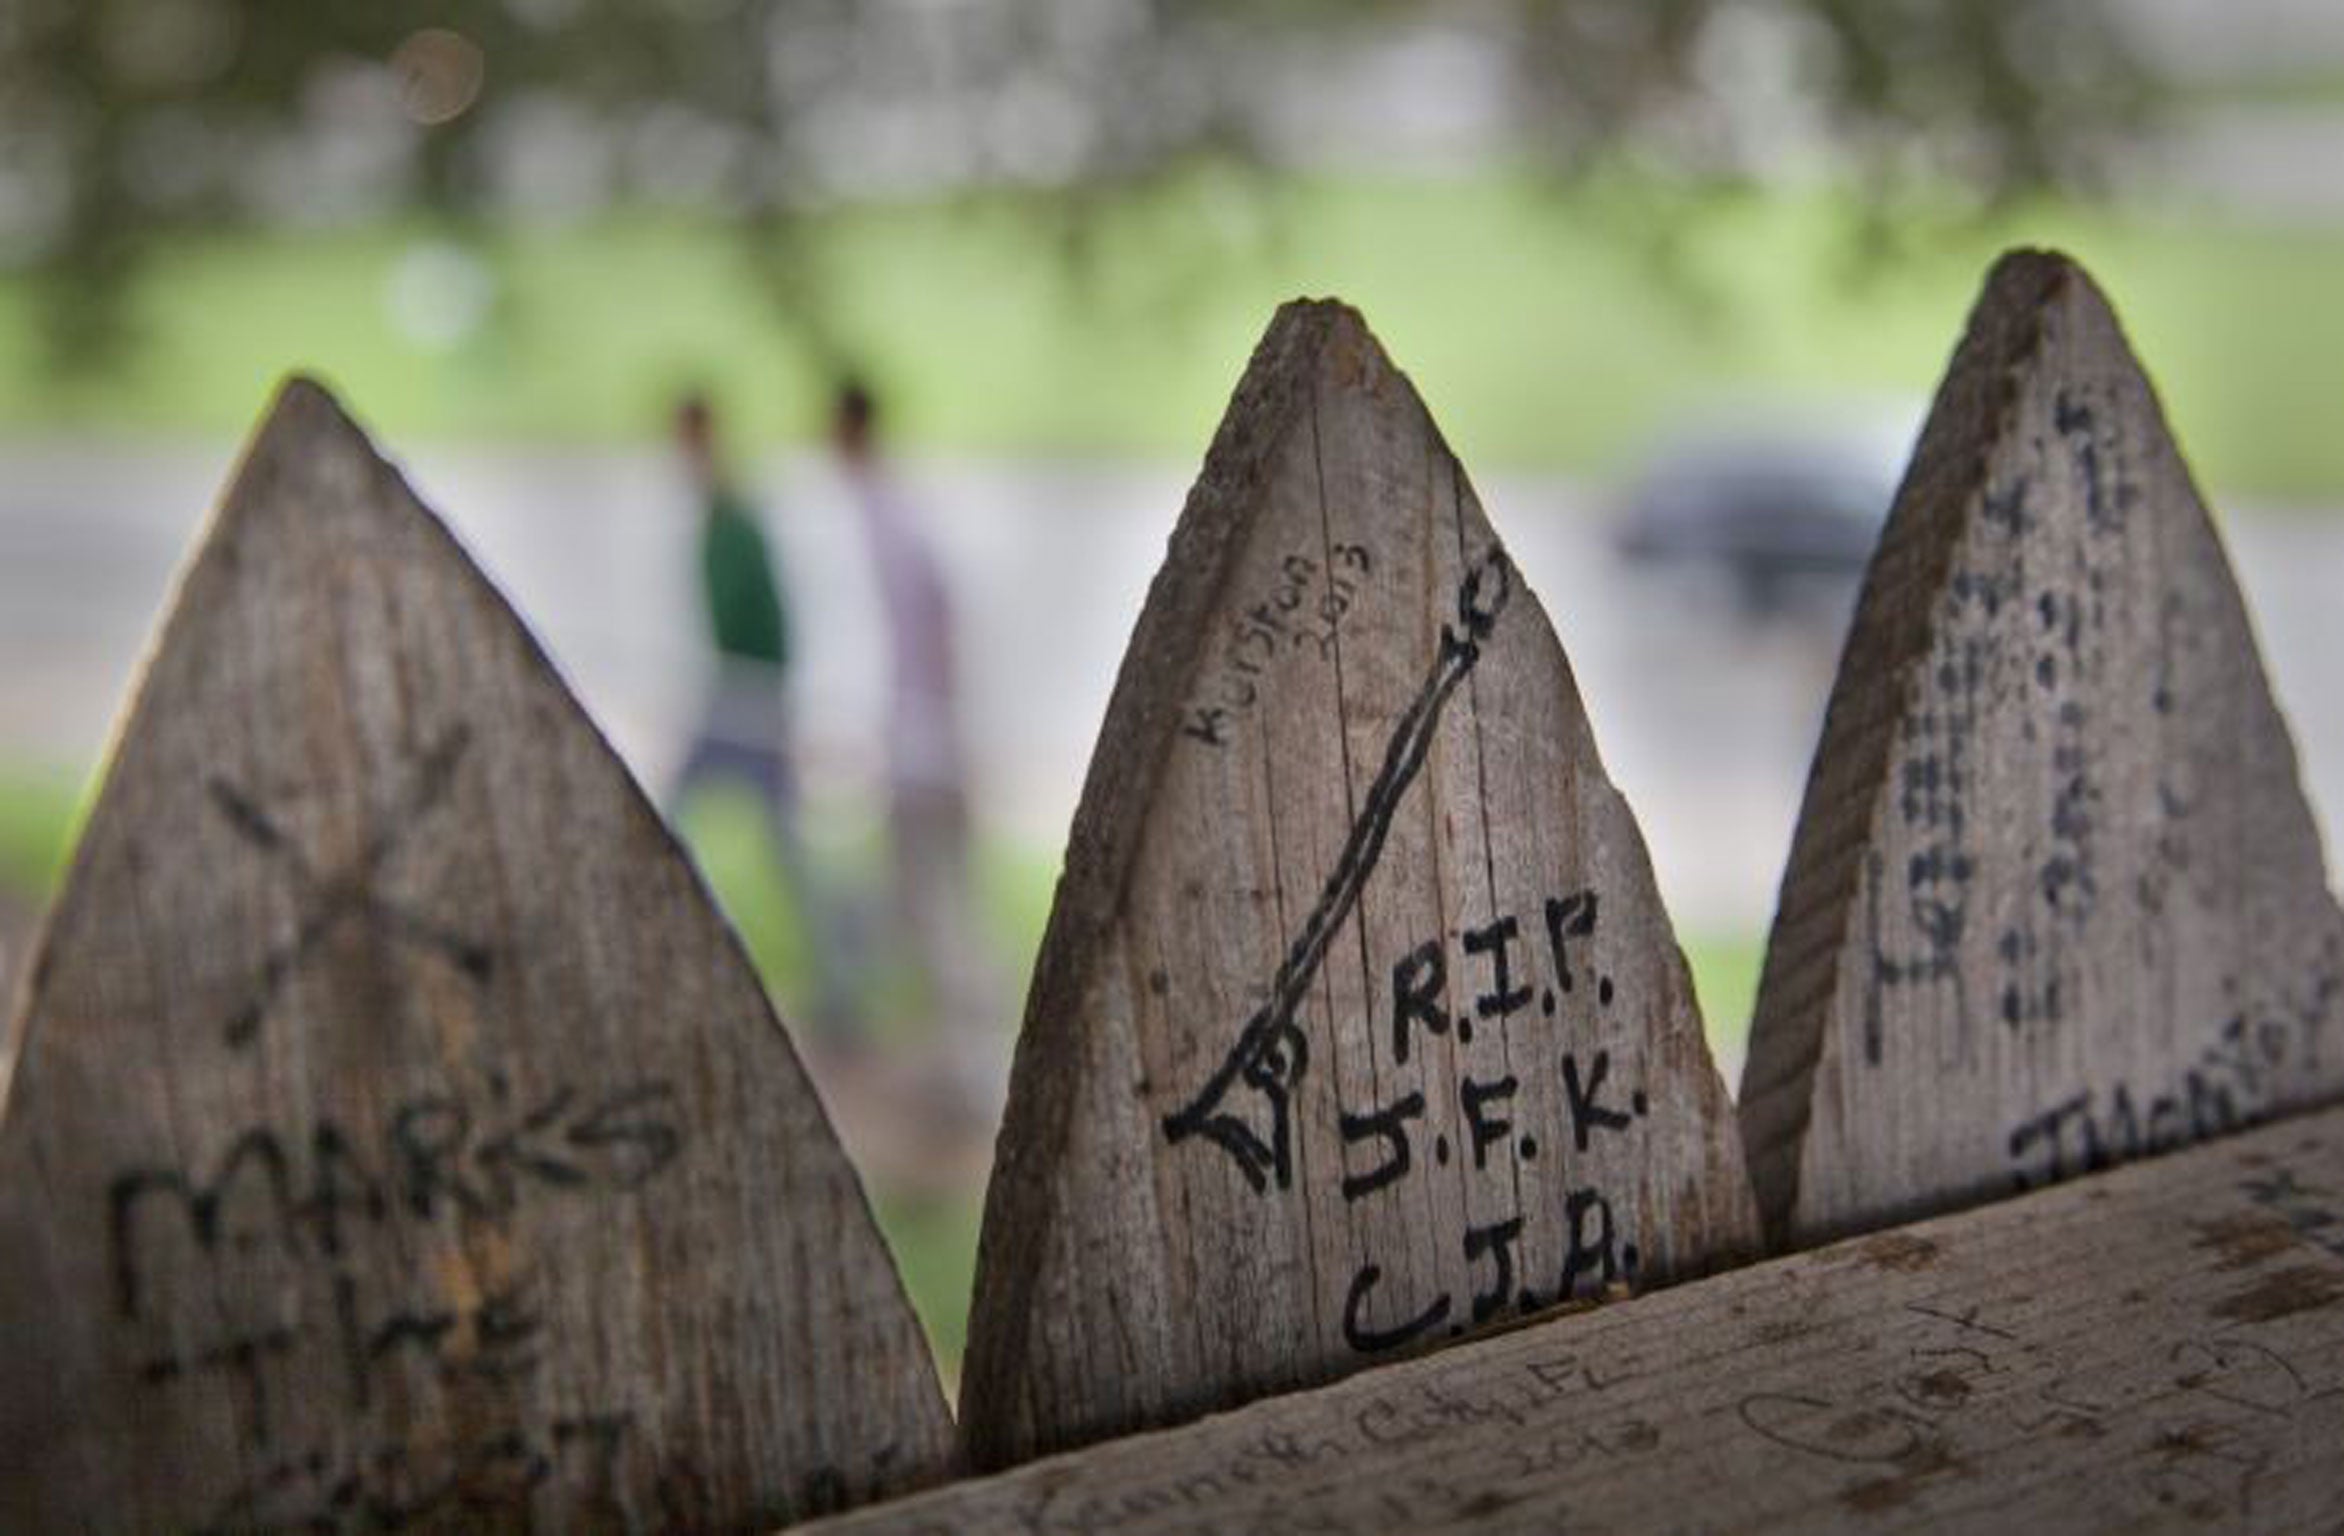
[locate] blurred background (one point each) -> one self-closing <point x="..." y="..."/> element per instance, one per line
<point x="1674" y="275"/>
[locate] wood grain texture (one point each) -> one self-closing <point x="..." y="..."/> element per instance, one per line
<point x="2160" y="1347"/>
<point x="17" y="924"/>
<point x="1358" y="1024"/>
<point x="2055" y="898"/>
<point x="397" y="1134"/>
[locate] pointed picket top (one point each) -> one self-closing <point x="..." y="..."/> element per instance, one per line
<point x="1358" y="1025"/>
<point x="397" y="1134"/>
<point x="2055" y="898"/>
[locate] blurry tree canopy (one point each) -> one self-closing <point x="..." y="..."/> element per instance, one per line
<point x="124" y="122"/>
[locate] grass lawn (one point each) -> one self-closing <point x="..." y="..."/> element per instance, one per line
<point x="1548" y="328"/>
<point x="39" y="815"/>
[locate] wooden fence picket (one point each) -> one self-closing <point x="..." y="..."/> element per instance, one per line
<point x="2158" y="1348"/>
<point x="2055" y="898"/>
<point x="395" y="1132"/>
<point x="1358" y="1025"/>
<point x="16" y="931"/>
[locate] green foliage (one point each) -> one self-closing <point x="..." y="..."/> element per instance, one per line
<point x="934" y="1240"/>
<point x="40" y="816"/>
<point x="725" y="829"/>
<point x="132" y="124"/>
<point x="1725" y="978"/>
<point x="1540" y="337"/>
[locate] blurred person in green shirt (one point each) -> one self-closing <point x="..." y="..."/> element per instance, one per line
<point x="745" y="730"/>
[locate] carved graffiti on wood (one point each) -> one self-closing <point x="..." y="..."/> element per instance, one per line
<point x="1359" y="1026"/>
<point x="395" y="1133"/>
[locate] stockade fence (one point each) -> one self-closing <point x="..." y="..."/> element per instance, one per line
<point x="392" y="1134"/>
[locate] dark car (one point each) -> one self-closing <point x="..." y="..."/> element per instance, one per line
<point x="1786" y="511"/>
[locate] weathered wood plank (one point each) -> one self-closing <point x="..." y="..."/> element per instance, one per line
<point x="1358" y="1024"/>
<point x="2159" y="1347"/>
<point x="398" y="1136"/>
<point x="2055" y="898"/>
<point x="17" y="924"/>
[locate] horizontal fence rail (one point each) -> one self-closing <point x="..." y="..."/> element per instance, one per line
<point x="2157" y="1347"/>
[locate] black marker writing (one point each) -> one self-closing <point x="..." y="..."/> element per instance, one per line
<point x="1271" y="1053"/>
<point x="349" y="892"/>
<point x="1368" y="1340"/>
<point x="1385" y="1124"/>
